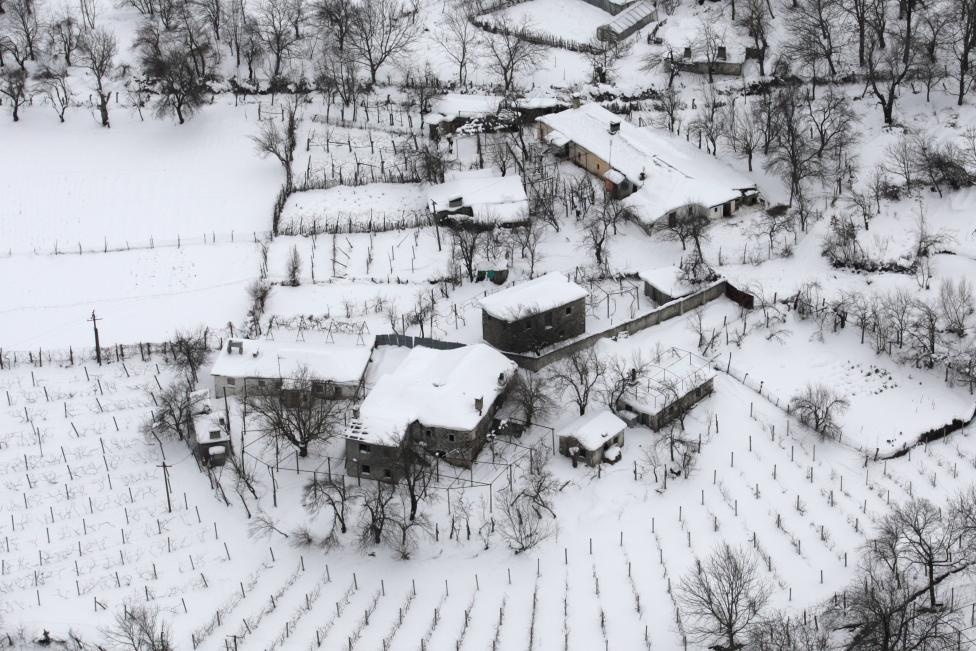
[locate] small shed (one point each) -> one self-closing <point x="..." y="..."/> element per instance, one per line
<point x="595" y="438"/>
<point x="211" y="442"/>
<point x="479" y="197"/>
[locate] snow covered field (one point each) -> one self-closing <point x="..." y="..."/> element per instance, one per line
<point x="574" y="20"/>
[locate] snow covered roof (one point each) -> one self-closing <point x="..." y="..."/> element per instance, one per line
<point x="592" y="430"/>
<point x="459" y="105"/>
<point x="667" y="280"/>
<point x="492" y="198"/>
<point x="438" y="388"/>
<point x="544" y="293"/>
<point x="677" y="371"/>
<point x="204" y="425"/>
<point x="676" y="173"/>
<point x="271" y="360"/>
<point x="635" y="13"/>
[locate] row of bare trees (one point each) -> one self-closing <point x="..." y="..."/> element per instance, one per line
<point x="896" y="600"/>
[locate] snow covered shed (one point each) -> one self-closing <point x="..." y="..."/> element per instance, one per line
<point x="444" y="401"/>
<point x="211" y="437"/>
<point x="677" y="381"/>
<point x="534" y="314"/>
<point x="628" y="21"/>
<point x="336" y="371"/>
<point x="595" y="437"/>
<point x="655" y="174"/>
<point x="480" y="197"/>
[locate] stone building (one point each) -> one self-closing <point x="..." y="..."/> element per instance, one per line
<point x="677" y="382"/>
<point x="336" y="371"/>
<point x="443" y="401"/>
<point x="593" y="438"/>
<point x="534" y="314"/>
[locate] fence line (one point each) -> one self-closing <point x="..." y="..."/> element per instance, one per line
<point x="79" y="248"/>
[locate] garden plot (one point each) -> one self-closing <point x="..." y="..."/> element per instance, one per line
<point x="573" y="20"/>
<point x="385" y="257"/>
<point x="103" y="189"/>
<point x="364" y="207"/>
<point x="140" y="295"/>
<point x="890" y="404"/>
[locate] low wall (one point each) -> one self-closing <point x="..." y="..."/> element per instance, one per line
<point x="407" y="341"/>
<point x="663" y="313"/>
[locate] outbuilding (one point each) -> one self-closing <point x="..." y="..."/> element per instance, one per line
<point x="534" y="314"/>
<point x="595" y="438"/>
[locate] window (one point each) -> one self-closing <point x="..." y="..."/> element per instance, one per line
<point x="318" y="388"/>
<point x="450" y="437"/>
<point x="214" y="435"/>
<point x="364" y="468"/>
<point x="387" y="474"/>
<point x="365" y="448"/>
<point x="569" y="309"/>
<point x="548" y="319"/>
<point x="528" y="325"/>
<point x="231" y="381"/>
<point x="428" y="433"/>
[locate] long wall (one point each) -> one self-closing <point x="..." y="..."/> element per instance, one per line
<point x="663" y="313"/>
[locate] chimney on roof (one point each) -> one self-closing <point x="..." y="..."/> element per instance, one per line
<point x="455" y="202"/>
<point x="479" y="404"/>
<point x="501" y="379"/>
<point x="235" y="344"/>
<point x="614" y="127"/>
<point x="576" y="100"/>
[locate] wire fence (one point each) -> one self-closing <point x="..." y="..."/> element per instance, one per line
<point x="61" y="247"/>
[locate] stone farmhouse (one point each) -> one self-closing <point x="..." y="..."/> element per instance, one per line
<point x="593" y="438"/>
<point x="442" y="400"/>
<point x="655" y="174"/>
<point x="336" y="370"/>
<point x="678" y="381"/>
<point x="534" y="314"/>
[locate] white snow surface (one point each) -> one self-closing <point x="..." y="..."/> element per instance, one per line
<point x="327" y="207"/>
<point x="532" y="296"/>
<point x="437" y="388"/>
<point x="593" y="429"/>
<point x="676" y="173"/>
<point x="268" y="359"/>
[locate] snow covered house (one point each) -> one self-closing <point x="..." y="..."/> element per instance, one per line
<point x="655" y="174"/>
<point x="595" y="437"/>
<point x="677" y="381"/>
<point x="441" y="400"/>
<point x="336" y="371"/>
<point x="534" y="314"/>
<point x="211" y="437"/>
<point x="480" y="197"/>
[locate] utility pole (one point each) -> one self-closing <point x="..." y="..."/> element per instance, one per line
<point x="98" y="349"/>
<point x="166" y="467"/>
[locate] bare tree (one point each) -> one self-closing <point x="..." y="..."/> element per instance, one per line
<point x="958" y="305"/>
<point x="336" y="17"/>
<point x="279" y="139"/>
<point x="175" y="406"/>
<point x="888" y="65"/>
<point x="773" y="223"/>
<point x="521" y="524"/>
<point x="604" y="58"/>
<point x="670" y="105"/>
<point x="382" y="30"/>
<point x="815" y="34"/>
<point x="465" y="243"/>
<point x="690" y="223"/>
<point x="378" y="500"/>
<point x="98" y="51"/>
<point x="743" y="129"/>
<point x="531" y="393"/>
<point x="188" y="350"/>
<point x="401" y="532"/>
<point x="289" y="411"/>
<point x="52" y="81"/>
<point x="706" y="45"/>
<point x="508" y="54"/>
<point x="724" y="596"/>
<point x="24" y="26"/>
<point x="621" y="374"/>
<point x="818" y="407"/>
<point x="925" y="535"/>
<point x="63" y="34"/>
<point x="961" y="41"/>
<point x="460" y="40"/>
<point x="274" y="28"/>
<point x="580" y="373"/>
<point x="332" y="493"/>
<point x="263" y="525"/>
<point x="528" y="239"/>
<point x="139" y="628"/>
<point x="13" y="85"/>
<point x="788" y="631"/>
<point x="792" y="155"/>
<point x="294" y="270"/>
<point x="756" y="19"/>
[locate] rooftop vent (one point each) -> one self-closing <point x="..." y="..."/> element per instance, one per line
<point x="479" y="404"/>
<point x="455" y="202"/>
<point x="235" y="345"/>
<point x="614" y="128"/>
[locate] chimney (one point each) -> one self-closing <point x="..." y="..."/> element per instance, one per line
<point x="501" y="379"/>
<point x="576" y="100"/>
<point x="479" y="404"/>
<point x="455" y="202"/>
<point x="614" y="128"/>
